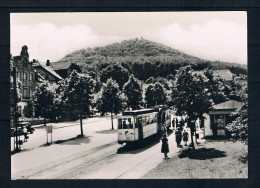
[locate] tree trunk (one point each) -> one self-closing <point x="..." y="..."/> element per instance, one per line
<point x="112" y="120"/>
<point x="81" y="127"/>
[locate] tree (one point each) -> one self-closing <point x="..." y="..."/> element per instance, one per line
<point x="111" y="99"/>
<point x="117" y="73"/>
<point x="155" y="94"/>
<point x="216" y="86"/>
<point x="239" y="127"/>
<point x="78" y="94"/>
<point x="191" y="95"/>
<point x="133" y="91"/>
<point x="43" y="99"/>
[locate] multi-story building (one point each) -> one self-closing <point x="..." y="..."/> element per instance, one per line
<point x="46" y="71"/>
<point x="65" y="68"/>
<point x="28" y="79"/>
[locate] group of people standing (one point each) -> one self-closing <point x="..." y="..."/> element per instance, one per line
<point x="180" y="135"/>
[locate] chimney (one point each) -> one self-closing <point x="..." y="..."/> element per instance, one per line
<point x="48" y="62"/>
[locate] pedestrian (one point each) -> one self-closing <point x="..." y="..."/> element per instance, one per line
<point x="185" y="137"/>
<point x="25" y="134"/>
<point x="165" y="146"/>
<point x="178" y="136"/>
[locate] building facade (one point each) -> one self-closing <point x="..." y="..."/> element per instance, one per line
<point x="216" y="121"/>
<point x="27" y="78"/>
<point x="64" y="68"/>
<point x="46" y="71"/>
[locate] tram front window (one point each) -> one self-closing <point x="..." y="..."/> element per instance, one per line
<point x="119" y="123"/>
<point x="125" y="123"/>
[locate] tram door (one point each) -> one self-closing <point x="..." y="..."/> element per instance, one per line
<point x="140" y="128"/>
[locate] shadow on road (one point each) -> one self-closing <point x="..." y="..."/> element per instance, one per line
<point x="135" y="148"/>
<point x="202" y="153"/>
<point x="74" y="141"/>
<point x="107" y="131"/>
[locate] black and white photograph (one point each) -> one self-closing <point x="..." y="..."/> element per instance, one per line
<point x="129" y="95"/>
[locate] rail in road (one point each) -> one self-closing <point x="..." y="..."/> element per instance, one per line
<point x="104" y="162"/>
<point x="59" y="167"/>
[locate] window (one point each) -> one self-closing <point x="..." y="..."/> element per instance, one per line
<point x="136" y="125"/>
<point x="130" y="123"/>
<point x="26" y="93"/>
<point x="219" y="121"/>
<point x="31" y="77"/>
<point x="119" y="123"/>
<point x="144" y="121"/>
<point x="17" y="75"/>
<point x="21" y="76"/>
<point x="24" y="76"/>
<point x="125" y="123"/>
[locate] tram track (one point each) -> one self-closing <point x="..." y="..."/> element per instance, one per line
<point x="56" y="165"/>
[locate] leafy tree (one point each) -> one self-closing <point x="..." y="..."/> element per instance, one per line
<point x="78" y="94"/>
<point x="150" y="80"/>
<point x="170" y="77"/>
<point x="117" y="73"/>
<point x="133" y="91"/>
<point x="155" y="94"/>
<point x="15" y="93"/>
<point x="216" y="87"/>
<point x="191" y="95"/>
<point x="43" y="100"/>
<point x="111" y="99"/>
<point x="239" y="127"/>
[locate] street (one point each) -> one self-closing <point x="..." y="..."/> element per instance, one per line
<point x="96" y="156"/>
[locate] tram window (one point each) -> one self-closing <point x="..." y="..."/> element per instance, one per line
<point x="130" y="123"/>
<point x="144" y="121"/>
<point x="119" y="123"/>
<point x="135" y="121"/>
<point x="139" y="121"/>
<point x="124" y="124"/>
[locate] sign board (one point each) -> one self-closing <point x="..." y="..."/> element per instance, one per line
<point x="49" y="128"/>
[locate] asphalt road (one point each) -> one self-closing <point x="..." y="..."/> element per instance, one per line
<point x="110" y="161"/>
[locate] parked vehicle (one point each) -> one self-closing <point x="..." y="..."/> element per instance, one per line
<point x="22" y="129"/>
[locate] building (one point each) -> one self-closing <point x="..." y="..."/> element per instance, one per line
<point x="64" y="68"/>
<point x="216" y="121"/>
<point x="46" y="71"/>
<point x="28" y="79"/>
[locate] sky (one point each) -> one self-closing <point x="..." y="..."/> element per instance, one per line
<point x="217" y="36"/>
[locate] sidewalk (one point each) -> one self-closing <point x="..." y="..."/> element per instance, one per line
<point x="210" y="159"/>
<point x="64" y="131"/>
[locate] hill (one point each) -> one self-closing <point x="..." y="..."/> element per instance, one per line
<point x="144" y="58"/>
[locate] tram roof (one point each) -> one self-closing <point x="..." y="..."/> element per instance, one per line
<point x="138" y="112"/>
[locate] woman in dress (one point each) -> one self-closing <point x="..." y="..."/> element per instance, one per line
<point x="165" y="146"/>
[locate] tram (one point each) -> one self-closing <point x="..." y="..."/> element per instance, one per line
<point x="136" y="125"/>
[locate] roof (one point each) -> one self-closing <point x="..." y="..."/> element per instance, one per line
<point x="228" y="105"/>
<point x="224" y="74"/>
<point x="61" y="65"/>
<point x="138" y="112"/>
<point x="47" y="68"/>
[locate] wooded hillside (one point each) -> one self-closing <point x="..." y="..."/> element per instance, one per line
<point x="144" y="59"/>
